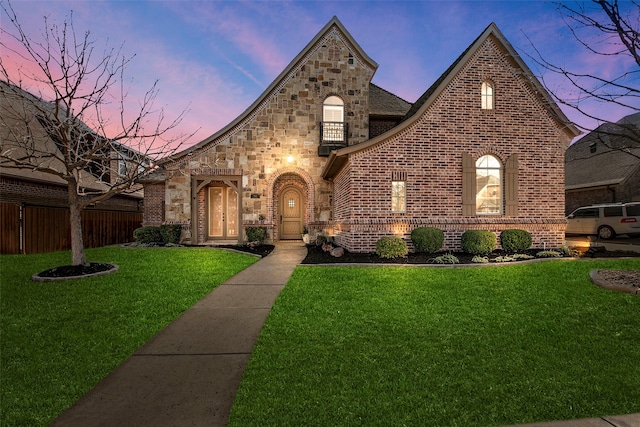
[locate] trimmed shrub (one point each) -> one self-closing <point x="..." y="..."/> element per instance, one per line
<point x="148" y="234"/>
<point x="427" y="239"/>
<point x="170" y="233"/>
<point x="391" y="247"/>
<point x="446" y="259"/>
<point x="478" y="242"/>
<point x="515" y="240"/>
<point x="522" y="256"/>
<point x="256" y="234"/>
<point x="549" y="254"/>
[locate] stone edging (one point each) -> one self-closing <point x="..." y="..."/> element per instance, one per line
<point x="113" y="269"/>
<point x="596" y="279"/>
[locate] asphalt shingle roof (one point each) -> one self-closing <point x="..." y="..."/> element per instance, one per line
<point x="606" y="156"/>
<point x="384" y="103"/>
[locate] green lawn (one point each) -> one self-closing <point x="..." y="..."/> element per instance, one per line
<point x="60" y="338"/>
<point x="465" y="347"/>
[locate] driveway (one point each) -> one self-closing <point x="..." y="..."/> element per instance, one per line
<point x="620" y="243"/>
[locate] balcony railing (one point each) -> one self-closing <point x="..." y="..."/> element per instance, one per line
<point x="333" y="135"/>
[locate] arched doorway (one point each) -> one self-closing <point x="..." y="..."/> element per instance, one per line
<point x="291" y="207"/>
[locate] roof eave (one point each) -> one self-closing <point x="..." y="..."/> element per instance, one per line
<point x="334" y="165"/>
<point x="594" y="185"/>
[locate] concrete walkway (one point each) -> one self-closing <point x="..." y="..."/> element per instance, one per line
<point x="189" y="373"/>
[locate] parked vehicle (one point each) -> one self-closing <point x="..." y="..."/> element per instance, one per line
<point x="606" y="221"/>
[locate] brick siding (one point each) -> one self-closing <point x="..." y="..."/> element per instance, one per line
<point x="356" y="206"/>
<point x="430" y="153"/>
<point x="14" y="190"/>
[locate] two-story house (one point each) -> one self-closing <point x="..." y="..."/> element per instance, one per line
<point x="34" y="203"/>
<point x="325" y="149"/>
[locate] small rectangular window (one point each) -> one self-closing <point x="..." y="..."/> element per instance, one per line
<point x="398" y="196"/>
<point x="487" y="96"/>
<point x="122" y="166"/>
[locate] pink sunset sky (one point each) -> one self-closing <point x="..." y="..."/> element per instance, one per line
<point x="214" y="58"/>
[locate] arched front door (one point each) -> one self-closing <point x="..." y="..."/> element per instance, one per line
<point x="291" y="214"/>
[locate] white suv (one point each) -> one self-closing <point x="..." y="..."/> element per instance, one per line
<point x="606" y="221"/>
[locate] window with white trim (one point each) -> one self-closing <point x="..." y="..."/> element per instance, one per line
<point x="487" y="95"/>
<point x="122" y="165"/>
<point x="398" y="192"/>
<point x="488" y="186"/>
<point x="333" y="119"/>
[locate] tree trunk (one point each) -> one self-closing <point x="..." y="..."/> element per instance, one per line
<point x="75" y="220"/>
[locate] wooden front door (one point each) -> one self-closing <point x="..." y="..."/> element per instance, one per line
<point x="223" y="213"/>
<point x="291" y="214"/>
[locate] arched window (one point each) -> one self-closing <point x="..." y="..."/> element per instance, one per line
<point x="333" y="119"/>
<point x="487" y="95"/>
<point x="488" y="185"/>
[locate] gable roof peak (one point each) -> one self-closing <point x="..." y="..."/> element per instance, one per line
<point x="333" y="24"/>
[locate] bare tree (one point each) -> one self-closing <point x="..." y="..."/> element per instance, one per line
<point x="602" y="29"/>
<point x="60" y="126"/>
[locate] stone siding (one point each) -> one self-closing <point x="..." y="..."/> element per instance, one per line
<point x="285" y="123"/>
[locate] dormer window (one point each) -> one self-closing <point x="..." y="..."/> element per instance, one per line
<point x="487" y="95"/>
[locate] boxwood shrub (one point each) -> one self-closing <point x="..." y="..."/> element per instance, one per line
<point x="147" y="235"/>
<point x="391" y="247"/>
<point x="256" y="234"/>
<point x="427" y="239"/>
<point x="515" y="240"/>
<point x="170" y="233"/>
<point x="478" y="242"/>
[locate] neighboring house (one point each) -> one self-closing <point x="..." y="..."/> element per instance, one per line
<point x="604" y="165"/>
<point x="324" y="148"/>
<point x="34" y="204"/>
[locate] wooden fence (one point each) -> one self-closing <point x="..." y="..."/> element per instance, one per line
<point x="34" y="229"/>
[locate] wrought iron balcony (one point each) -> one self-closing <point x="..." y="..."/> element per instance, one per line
<point x="333" y="135"/>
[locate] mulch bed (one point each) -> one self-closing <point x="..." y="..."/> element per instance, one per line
<point x="315" y="255"/>
<point x="74" y="272"/>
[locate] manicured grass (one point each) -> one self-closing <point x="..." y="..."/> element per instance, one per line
<point x="444" y="347"/>
<point x="61" y="338"/>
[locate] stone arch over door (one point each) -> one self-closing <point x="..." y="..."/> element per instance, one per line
<point x="286" y="181"/>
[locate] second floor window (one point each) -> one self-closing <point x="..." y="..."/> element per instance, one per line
<point x="333" y="118"/>
<point x="122" y="165"/>
<point x="487" y="95"/>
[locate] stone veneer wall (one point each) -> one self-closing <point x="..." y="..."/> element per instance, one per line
<point x="430" y="153"/>
<point x="285" y="123"/>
